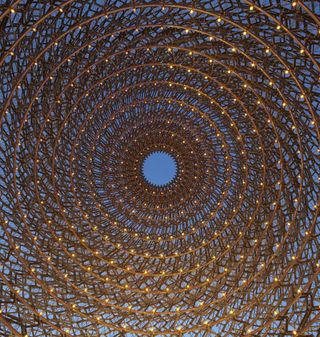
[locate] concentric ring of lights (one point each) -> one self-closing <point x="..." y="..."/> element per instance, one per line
<point x="231" y="246"/>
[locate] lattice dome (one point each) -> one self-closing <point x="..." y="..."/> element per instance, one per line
<point x="230" y="90"/>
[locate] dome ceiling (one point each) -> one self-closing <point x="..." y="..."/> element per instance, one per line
<point x="230" y="91"/>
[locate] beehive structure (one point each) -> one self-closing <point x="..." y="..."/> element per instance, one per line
<point x="230" y="89"/>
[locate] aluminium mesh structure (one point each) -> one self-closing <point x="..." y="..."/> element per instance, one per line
<point x="231" y="90"/>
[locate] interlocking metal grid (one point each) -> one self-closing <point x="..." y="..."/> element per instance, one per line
<point x="230" y="89"/>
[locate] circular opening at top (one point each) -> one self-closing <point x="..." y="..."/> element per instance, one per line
<point x="159" y="168"/>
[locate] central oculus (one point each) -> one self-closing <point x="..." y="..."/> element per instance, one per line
<point x="159" y="168"/>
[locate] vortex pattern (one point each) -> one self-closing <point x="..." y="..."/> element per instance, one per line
<point x="88" y="90"/>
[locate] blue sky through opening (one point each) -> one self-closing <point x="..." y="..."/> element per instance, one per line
<point x="159" y="168"/>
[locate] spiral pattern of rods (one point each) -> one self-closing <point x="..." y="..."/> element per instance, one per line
<point x="231" y="90"/>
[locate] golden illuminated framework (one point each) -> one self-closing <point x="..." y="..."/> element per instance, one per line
<point x="230" y="89"/>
